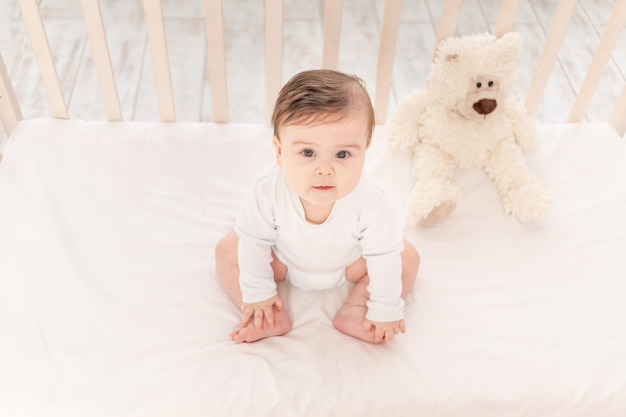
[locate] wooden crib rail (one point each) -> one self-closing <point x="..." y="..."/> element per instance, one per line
<point x="10" y="112"/>
<point x="214" y="20"/>
<point x="102" y="60"/>
<point x="274" y="43"/>
<point x="555" y="38"/>
<point x="43" y="55"/>
<point x="160" y="61"/>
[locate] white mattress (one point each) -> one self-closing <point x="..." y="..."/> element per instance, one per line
<point x="109" y="304"/>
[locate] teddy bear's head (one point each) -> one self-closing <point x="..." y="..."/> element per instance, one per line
<point x="475" y="74"/>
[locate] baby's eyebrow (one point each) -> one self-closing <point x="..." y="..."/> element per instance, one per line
<point x="353" y="146"/>
<point x="356" y="146"/>
<point x="302" y="143"/>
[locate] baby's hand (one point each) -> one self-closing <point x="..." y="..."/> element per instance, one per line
<point x="263" y="310"/>
<point x="384" y="331"/>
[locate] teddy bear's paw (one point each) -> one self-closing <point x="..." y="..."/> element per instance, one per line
<point x="528" y="203"/>
<point x="437" y="214"/>
<point x="426" y="213"/>
<point x="430" y="202"/>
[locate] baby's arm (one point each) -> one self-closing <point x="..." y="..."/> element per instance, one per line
<point x="261" y="311"/>
<point x="382" y="247"/>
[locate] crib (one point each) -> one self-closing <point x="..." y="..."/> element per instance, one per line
<point x="111" y="207"/>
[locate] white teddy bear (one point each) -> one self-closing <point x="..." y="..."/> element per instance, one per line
<point x="468" y="116"/>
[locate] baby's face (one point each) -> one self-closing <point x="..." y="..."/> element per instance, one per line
<point x="322" y="162"/>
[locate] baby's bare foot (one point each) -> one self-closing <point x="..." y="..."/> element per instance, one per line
<point x="349" y="320"/>
<point x="282" y="324"/>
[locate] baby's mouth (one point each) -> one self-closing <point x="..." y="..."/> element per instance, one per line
<point x="322" y="187"/>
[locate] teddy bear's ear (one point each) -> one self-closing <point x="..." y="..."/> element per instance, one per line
<point x="445" y="51"/>
<point x="509" y="45"/>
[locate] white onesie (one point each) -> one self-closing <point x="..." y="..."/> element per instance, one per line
<point x="361" y="224"/>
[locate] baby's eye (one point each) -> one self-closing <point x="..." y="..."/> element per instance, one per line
<point x="308" y="153"/>
<point x="343" y="154"/>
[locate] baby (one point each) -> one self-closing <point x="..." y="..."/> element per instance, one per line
<point x="315" y="219"/>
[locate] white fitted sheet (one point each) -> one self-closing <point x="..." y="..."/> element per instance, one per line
<point x="109" y="304"/>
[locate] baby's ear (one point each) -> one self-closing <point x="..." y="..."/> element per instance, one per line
<point x="278" y="147"/>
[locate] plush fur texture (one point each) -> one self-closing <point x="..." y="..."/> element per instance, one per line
<point x="468" y="116"/>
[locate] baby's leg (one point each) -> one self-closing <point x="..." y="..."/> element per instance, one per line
<point x="351" y="316"/>
<point x="227" y="268"/>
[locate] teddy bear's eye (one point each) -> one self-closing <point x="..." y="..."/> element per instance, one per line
<point x="490" y="83"/>
<point x="479" y="84"/>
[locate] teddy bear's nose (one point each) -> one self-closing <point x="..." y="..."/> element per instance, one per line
<point x="485" y="106"/>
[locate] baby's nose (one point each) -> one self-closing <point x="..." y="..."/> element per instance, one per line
<point x="325" y="169"/>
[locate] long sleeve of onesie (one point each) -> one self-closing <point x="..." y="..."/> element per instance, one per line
<point x="257" y="233"/>
<point x="382" y="244"/>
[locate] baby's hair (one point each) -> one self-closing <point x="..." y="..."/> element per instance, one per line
<point x="322" y="95"/>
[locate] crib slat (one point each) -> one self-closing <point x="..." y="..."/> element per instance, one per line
<point x="102" y="58"/>
<point x="273" y="53"/>
<point x="217" y="59"/>
<point x="333" y="10"/>
<point x="599" y="62"/>
<point x="43" y="55"/>
<point x="508" y="10"/>
<point x="153" y="11"/>
<point x="9" y="107"/>
<point x="386" y="53"/>
<point x="618" y="116"/>
<point x="449" y="19"/>
<point x="561" y="19"/>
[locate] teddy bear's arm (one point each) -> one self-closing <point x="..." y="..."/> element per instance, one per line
<point x="403" y="130"/>
<point x="523" y="125"/>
